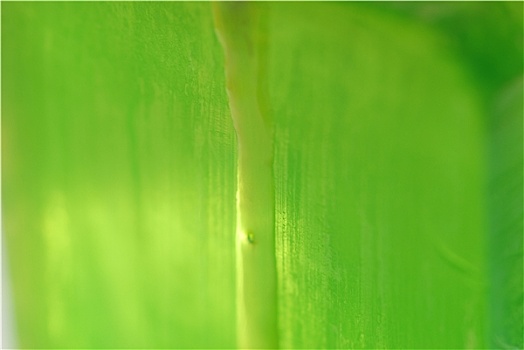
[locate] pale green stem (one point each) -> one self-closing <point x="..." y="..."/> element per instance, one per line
<point x="239" y="26"/>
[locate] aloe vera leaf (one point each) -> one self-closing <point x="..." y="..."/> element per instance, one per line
<point x="391" y="141"/>
<point x="380" y="175"/>
<point x="118" y="176"/>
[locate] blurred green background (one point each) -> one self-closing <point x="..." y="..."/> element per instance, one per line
<point x="398" y="174"/>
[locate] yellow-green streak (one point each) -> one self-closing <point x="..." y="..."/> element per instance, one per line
<point x="240" y="28"/>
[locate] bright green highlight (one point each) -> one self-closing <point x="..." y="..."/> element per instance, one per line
<point x="240" y="28"/>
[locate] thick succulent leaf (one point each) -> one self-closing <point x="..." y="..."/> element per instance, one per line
<point x="397" y="134"/>
<point x="119" y="175"/>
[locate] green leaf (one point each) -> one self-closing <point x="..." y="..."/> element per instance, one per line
<point x="395" y="188"/>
